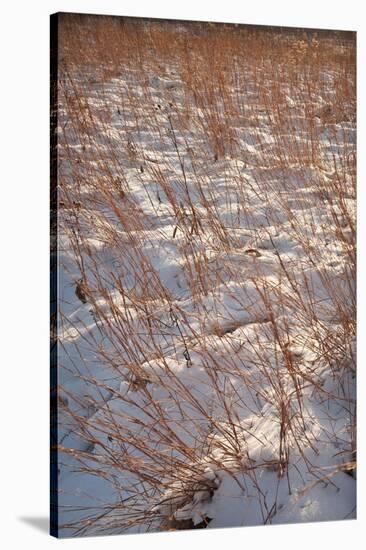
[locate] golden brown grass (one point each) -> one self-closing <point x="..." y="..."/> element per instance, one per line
<point x="214" y="67"/>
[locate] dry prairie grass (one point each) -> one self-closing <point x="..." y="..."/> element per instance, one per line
<point x="237" y="138"/>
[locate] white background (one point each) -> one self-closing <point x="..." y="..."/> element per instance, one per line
<point x="24" y="181"/>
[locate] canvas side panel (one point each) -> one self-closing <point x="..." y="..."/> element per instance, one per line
<point x="54" y="22"/>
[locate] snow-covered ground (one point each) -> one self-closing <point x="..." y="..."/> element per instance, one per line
<point x="207" y="292"/>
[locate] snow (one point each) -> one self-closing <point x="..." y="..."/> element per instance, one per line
<point x="210" y="373"/>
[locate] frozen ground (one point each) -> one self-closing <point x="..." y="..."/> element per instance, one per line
<point x="207" y="315"/>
